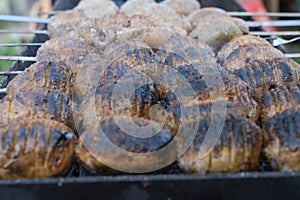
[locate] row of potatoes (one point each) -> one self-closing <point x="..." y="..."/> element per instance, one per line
<point x="52" y="102"/>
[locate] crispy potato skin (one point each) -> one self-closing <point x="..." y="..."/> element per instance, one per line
<point x="273" y="84"/>
<point x="282" y="143"/>
<point x="40" y="102"/>
<point x="35" y="149"/>
<point x="238" y="42"/>
<point x="54" y="75"/>
<point x="90" y="156"/>
<point x="238" y="148"/>
<point x="224" y="29"/>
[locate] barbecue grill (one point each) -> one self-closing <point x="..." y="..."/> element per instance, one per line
<point x="80" y="184"/>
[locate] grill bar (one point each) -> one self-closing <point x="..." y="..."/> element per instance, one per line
<point x="293" y="55"/>
<point x="278" y="23"/>
<point x="33" y="59"/>
<point x="234" y="14"/>
<point x="23" y="32"/>
<point x="10" y="73"/>
<point x="2" y="90"/>
<point x="15" y="18"/>
<point x="267" y="14"/>
<point x="20" y="44"/>
<point x="16" y="58"/>
<point x="275" y="33"/>
<point x="261" y="33"/>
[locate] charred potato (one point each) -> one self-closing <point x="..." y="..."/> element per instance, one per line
<point x="35" y="149"/>
<point x="282" y="143"/>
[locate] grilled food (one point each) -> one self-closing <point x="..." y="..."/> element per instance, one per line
<point x="129" y="6"/>
<point x="120" y="50"/>
<point x="57" y="76"/>
<point x="282" y="140"/>
<point x="238" y="148"/>
<point x="242" y="50"/>
<point x="97" y="8"/>
<point x="42" y="103"/>
<point x="35" y="149"/>
<point x="74" y="53"/>
<point x="74" y="24"/>
<point x="88" y="76"/>
<point x="264" y="75"/>
<point x="153" y="37"/>
<point x="128" y="56"/>
<point x="279" y="98"/>
<point x="198" y="15"/>
<point x="138" y="23"/>
<point x="98" y="104"/>
<point x="123" y="72"/>
<point x="82" y="59"/>
<point x="236" y="93"/>
<point x="91" y="151"/>
<point x="245" y="40"/>
<point x="185" y="58"/>
<point x="162" y="14"/>
<point x="238" y="98"/>
<point x="183" y="7"/>
<point x="98" y="52"/>
<point x="245" y="54"/>
<point x="224" y="28"/>
<point x="274" y="84"/>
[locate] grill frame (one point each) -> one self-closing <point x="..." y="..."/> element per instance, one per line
<point x="248" y="185"/>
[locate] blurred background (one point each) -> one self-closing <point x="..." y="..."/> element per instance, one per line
<point x="34" y="7"/>
<point x="19" y="7"/>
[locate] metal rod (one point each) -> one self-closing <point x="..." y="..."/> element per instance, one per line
<point x="282" y="33"/>
<point x="259" y="14"/>
<point x="266" y="14"/>
<point x="293" y="55"/>
<point x="275" y="33"/>
<point x="22" y="32"/>
<point x="33" y="59"/>
<point x="15" y="18"/>
<point x="20" y="44"/>
<point x="2" y="90"/>
<point x="287" y="33"/>
<point x="290" y="41"/>
<point x="16" y="58"/>
<point x="282" y="23"/>
<point x="10" y="73"/>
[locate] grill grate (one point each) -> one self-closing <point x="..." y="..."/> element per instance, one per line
<point x="244" y="183"/>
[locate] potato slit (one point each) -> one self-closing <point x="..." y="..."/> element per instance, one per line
<point x="47" y="74"/>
